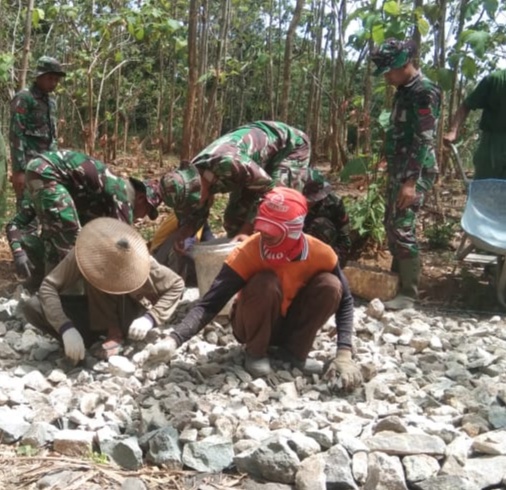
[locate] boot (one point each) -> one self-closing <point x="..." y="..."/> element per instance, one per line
<point x="409" y="273"/>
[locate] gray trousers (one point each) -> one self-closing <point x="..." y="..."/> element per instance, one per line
<point x="87" y="313"/>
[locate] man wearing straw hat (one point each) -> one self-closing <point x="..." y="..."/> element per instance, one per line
<point x="127" y="291"/>
<point x="289" y="284"/>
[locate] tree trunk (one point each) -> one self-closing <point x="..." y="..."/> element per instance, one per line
<point x="186" y="148"/>
<point x="213" y="112"/>
<point x="26" y="43"/>
<point x="270" y="70"/>
<point x="287" y="62"/>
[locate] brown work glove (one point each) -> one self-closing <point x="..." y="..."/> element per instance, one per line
<point x="343" y="372"/>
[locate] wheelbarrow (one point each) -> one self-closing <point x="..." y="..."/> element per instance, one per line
<point x="484" y="225"/>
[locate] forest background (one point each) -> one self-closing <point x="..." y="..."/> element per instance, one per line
<point x="162" y="78"/>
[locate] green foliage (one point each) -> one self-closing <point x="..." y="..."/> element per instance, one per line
<point x="439" y="235"/>
<point x="27" y="450"/>
<point x="366" y="214"/>
<point x="99" y="458"/>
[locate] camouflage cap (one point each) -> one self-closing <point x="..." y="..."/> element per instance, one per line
<point x="46" y="64"/>
<point x="181" y="189"/>
<point x="316" y="187"/>
<point x="150" y="187"/>
<point x="393" y="53"/>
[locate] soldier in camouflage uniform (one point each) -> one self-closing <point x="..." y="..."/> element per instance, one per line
<point x="33" y="120"/>
<point x="326" y="219"/>
<point x="70" y="188"/>
<point x="245" y="163"/>
<point x="411" y="159"/>
<point x="26" y="244"/>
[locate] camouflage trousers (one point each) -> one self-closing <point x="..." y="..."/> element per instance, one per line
<point x="400" y="224"/>
<point x="57" y="215"/>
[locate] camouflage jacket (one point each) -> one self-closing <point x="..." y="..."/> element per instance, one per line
<point x="251" y="156"/>
<point x="32" y="126"/>
<point x="95" y="190"/>
<point x="411" y="138"/>
<point x="328" y="221"/>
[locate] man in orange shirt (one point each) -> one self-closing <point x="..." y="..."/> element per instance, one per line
<point x="288" y="286"/>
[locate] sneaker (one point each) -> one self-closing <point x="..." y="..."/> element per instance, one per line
<point x="257" y="366"/>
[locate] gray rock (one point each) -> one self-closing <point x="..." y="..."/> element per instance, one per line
<point x="13" y="425"/>
<point x="493" y="443"/>
<point x="164" y="448"/>
<point x="154" y="418"/>
<point x="405" y="444"/>
<point x="324" y="437"/>
<point x="133" y="484"/>
<point x="446" y="482"/>
<point x="338" y="469"/>
<point x="123" y="451"/>
<point x="497" y="417"/>
<point x="39" y="434"/>
<point x="384" y="473"/>
<point x="359" y="466"/>
<point x="212" y="454"/>
<point x="61" y="479"/>
<point x="311" y="474"/>
<point x="420" y="467"/>
<point x="304" y="446"/>
<point x="392" y="423"/>
<point x="486" y="471"/>
<point x="273" y="460"/>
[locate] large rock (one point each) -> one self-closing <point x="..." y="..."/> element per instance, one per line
<point x="405" y="444"/>
<point x="273" y="460"/>
<point x="212" y="454"/>
<point x="77" y="443"/>
<point x="384" y="473"/>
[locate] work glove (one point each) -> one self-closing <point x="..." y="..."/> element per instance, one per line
<point x="73" y="345"/>
<point x="24" y="266"/>
<point x="343" y="372"/>
<point x="162" y="351"/>
<point x="140" y="327"/>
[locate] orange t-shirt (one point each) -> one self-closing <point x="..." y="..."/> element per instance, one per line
<point x="246" y="260"/>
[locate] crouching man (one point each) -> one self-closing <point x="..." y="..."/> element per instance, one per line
<point x="127" y="292"/>
<point x="288" y="286"/>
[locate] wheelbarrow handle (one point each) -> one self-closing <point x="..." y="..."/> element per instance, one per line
<point x="456" y="157"/>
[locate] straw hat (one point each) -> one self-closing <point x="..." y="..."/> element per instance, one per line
<point x="112" y="256"/>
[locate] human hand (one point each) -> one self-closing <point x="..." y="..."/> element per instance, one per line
<point x="450" y="136"/>
<point x="349" y="373"/>
<point x="73" y="345"/>
<point x="407" y="194"/>
<point x="18" y="183"/>
<point x="183" y="233"/>
<point x="23" y="264"/>
<point x="140" y="327"/>
<point x="162" y="351"/>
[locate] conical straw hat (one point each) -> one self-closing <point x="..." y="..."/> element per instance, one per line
<point x="112" y="256"/>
